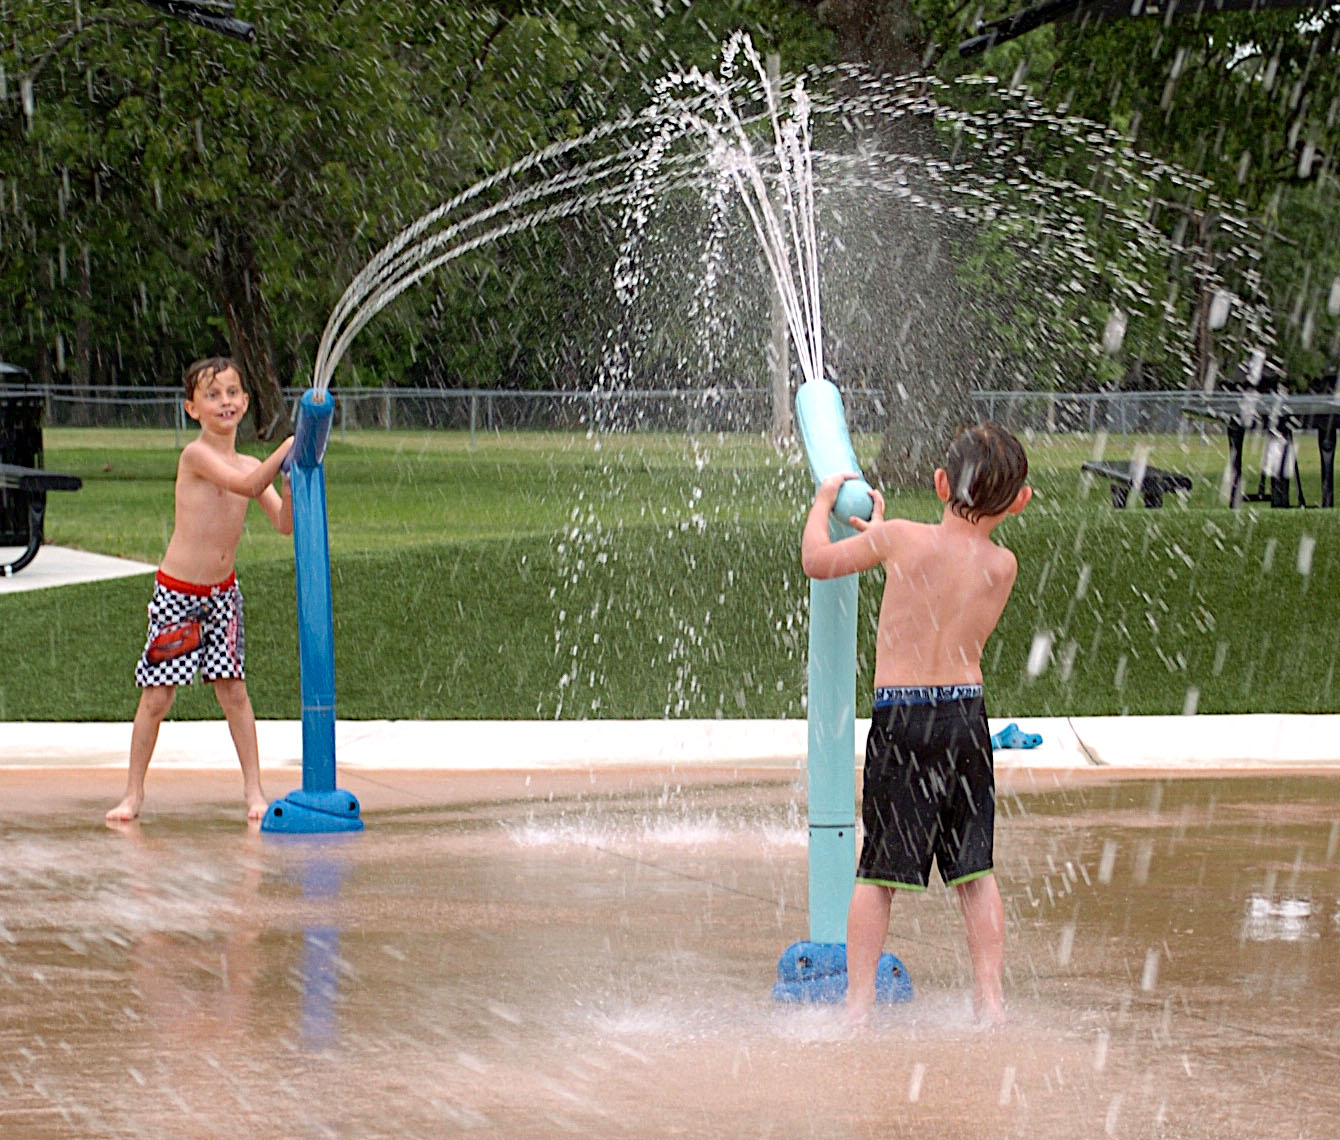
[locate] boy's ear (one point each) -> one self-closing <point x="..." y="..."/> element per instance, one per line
<point x="189" y="405"/>
<point x="942" y="484"/>
<point x="1020" y="500"/>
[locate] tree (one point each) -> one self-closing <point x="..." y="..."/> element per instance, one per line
<point x="1248" y="100"/>
<point x="170" y="192"/>
<point x="223" y="167"/>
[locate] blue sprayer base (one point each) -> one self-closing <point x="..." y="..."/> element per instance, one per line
<point x="313" y="813"/>
<point x="817" y="972"/>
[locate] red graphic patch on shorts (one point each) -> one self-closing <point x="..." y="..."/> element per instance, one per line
<point x="174" y="641"/>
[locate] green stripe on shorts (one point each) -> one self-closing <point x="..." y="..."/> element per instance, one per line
<point x="969" y="878"/>
<point x="891" y="883"/>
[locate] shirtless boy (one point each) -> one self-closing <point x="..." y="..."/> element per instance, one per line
<point x="195" y="617"/>
<point x="929" y="786"/>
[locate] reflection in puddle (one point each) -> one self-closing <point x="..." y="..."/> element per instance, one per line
<point x="1269" y="919"/>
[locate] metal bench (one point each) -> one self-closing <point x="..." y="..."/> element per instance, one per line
<point x="24" y="490"/>
<point x="1149" y="482"/>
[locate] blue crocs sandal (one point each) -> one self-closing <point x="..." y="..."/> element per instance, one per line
<point x="1011" y="737"/>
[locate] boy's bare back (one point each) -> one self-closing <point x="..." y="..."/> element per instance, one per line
<point x="945" y="588"/>
<point x="946" y="584"/>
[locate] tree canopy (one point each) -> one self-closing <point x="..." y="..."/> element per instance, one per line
<point x="166" y="192"/>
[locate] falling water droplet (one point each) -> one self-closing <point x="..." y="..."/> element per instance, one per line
<point x="1039" y="654"/>
<point x="1114" y="332"/>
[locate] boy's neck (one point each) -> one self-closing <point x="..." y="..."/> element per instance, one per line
<point x="225" y="441"/>
<point x="982" y="527"/>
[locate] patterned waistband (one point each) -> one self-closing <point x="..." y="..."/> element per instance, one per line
<point x="193" y="588"/>
<point x="887" y="696"/>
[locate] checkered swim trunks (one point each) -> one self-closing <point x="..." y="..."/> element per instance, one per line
<point x="192" y="629"/>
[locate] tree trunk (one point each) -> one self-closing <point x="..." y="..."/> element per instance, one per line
<point x="918" y="344"/>
<point x="83" y="340"/>
<point x="239" y="293"/>
<point x="885" y="35"/>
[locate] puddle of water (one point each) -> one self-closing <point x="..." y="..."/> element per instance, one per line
<point x="599" y="961"/>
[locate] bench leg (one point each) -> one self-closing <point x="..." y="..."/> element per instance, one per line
<point x="1119" y="493"/>
<point x="37" y="509"/>
<point x="1153" y="497"/>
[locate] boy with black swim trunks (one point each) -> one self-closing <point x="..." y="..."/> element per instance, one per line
<point x="195" y="617"/>
<point x="929" y="787"/>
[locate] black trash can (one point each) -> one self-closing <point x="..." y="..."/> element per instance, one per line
<point x="20" y="444"/>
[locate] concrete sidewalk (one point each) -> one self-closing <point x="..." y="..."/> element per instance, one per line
<point x="1172" y="742"/>
<point x="62" y="566"/>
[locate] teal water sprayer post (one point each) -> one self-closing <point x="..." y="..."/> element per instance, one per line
<point x="318" y="807"/>
<point x="816" y="970"/>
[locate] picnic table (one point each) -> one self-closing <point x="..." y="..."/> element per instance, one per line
<point x="23" y="481"/>
<point x="1125" y="476"/>
<point x="26" y="489"/>
<point x="1279" y="415"/>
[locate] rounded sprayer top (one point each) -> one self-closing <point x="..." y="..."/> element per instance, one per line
<point x="316" y="415"/>
<point x="823" y="431"/>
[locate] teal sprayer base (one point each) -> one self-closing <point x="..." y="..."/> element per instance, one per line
<point x="313" y="813"/>
<point x="816" y="972"/>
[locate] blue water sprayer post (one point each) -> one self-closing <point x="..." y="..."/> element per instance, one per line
<point x="318" y="806"/>
<point x="816" y="970"/>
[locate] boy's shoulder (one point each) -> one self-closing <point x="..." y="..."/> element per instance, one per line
<point x="202" y="449"/>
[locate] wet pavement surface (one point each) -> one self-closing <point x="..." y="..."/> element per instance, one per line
<point x="593" y="953"/>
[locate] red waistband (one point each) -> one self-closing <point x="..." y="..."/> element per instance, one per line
<point x="192" y="588"/>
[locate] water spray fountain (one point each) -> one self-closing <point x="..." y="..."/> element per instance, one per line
<point x="813" y="970"/>
<point x="318" y="807"/>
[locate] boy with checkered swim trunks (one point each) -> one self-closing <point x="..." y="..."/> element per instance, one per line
<point x="929" y="788"/>
<point x="195" y="616"/>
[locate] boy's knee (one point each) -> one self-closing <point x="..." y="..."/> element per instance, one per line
<point x="155" y="700"/>
<point x="231" y="693"/>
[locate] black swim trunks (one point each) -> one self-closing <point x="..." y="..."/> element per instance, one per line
<point x="929" y="790"/>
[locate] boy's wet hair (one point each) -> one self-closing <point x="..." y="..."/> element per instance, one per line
<point x="203" y="371"/>
<point x="986" y="466"/>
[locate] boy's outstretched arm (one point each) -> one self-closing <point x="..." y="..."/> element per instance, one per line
<point x="264" y="476"/>
<point x="821" y="557"/>
<point x="278" y="506"/>
<point x="251" y="484"/>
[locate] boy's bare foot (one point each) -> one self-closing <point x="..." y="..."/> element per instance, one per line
<point x="127" y="809"/>
<point x="989" y="1015"/>
<point x="855" y="1014"/>
<point x="256" y="805"/>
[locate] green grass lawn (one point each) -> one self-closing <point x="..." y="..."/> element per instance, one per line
<point x="543" y="575"/>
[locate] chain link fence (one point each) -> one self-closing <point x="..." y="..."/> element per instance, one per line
<point x="668" y="410"/>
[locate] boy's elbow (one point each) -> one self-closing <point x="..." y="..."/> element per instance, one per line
<point x="814" y="566"/>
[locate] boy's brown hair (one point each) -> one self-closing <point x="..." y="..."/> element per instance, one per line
<point x="986" y="466"/>
<point x="203" y="371"/>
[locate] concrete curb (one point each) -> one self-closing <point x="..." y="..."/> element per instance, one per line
<point x="1094" y="743"/>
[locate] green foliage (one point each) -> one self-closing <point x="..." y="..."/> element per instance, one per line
<point x="1248" y="100"/>
<point x="155" y="175"/>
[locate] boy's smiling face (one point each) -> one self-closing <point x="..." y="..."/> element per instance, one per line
<point x="220" y="401"/>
